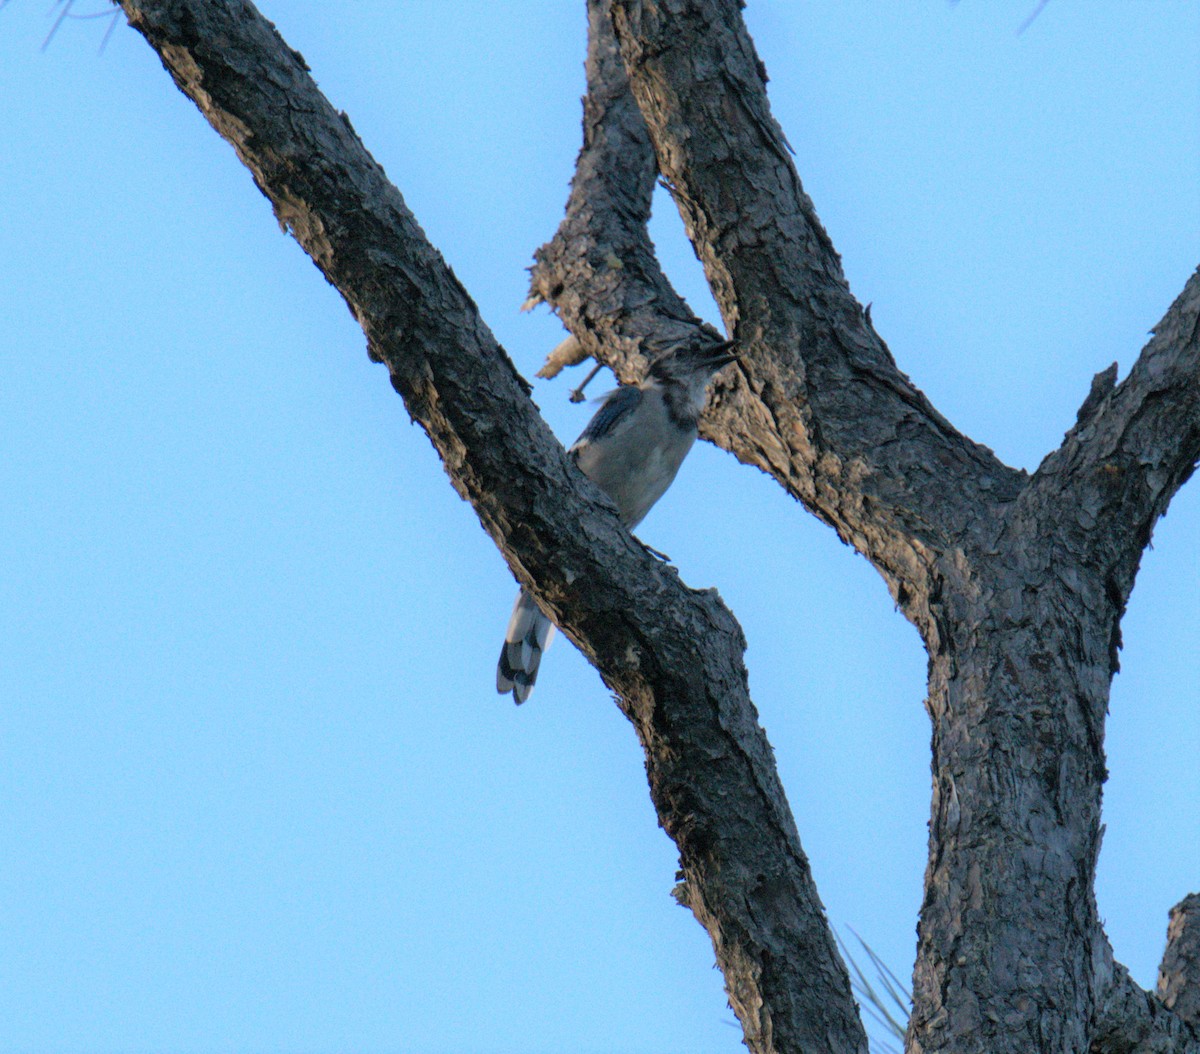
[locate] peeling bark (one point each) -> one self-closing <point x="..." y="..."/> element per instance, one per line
<point x="1179" y="975"/>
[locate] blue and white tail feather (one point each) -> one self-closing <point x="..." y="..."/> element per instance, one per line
<point x="529" y="634"/>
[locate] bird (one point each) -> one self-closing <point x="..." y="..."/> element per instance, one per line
<point x="632" y="449"/>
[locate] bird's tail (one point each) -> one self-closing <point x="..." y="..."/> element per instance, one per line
<point x="529" y="634"/>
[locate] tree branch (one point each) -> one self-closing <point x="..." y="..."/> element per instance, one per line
<point x="1133" y="448"/>
<point x="599" y="271"/>
<point x="1133" y="1021"/>
<point x="1130" y="1020"/>
<point x="824" y="409"/>
<point x="672" y="654"/>
<point x="1019" y="702"/>
<point x="1020" y="626"/>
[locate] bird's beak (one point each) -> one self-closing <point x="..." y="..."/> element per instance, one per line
<point x="723" y="354"/>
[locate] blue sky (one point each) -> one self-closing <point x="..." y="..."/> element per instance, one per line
<point x="258" y="793"/>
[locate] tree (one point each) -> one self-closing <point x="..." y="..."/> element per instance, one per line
<point x="1016" y="583"/>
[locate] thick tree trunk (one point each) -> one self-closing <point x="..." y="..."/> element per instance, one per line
<point x="1008" y="924"/>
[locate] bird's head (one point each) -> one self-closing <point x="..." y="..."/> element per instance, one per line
<point x="688" y="358"/>
<point x="689" y="365"/>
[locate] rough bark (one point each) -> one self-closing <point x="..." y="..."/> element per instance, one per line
<point x="673" y="655"/>
<point x="599" y="272"/>
<point x="1016" y="583"/>
<point x="1132" y="1021"/>
<point x="1179" y="974"/>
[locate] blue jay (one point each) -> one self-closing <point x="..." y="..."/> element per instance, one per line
<point x="631" y="449"/>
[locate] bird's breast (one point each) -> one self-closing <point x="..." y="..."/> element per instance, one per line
<point x="636" y="467"/>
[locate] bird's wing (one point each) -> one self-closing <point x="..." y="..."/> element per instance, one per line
<point x="614" y="407"/>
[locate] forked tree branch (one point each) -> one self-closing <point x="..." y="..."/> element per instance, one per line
<point x="940" y="517"/>
<point x="872" y="481"/>
<point x="673" y="655"/>
<point x="1133" y="1021"/>
<point x="827" y="412"/>
<point x="822" y="407"/>
<point x="825" y="409"/>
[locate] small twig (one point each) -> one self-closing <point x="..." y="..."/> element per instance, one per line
<point x="116" y="18"/>
<point x="67" y="12"/>
<point x="576" y="395"/>
<point x="62" y="17"/>
<point x="1033" y="14"/>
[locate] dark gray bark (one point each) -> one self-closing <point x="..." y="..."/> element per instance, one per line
<point x="1017" y="583"/>
<point x="599" y="272"/>
<point x="1132" y="1021"/>
<point x="673" y="655"/>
